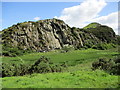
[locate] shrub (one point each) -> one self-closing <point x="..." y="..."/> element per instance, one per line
<point x="110" y="65"/>
<point x="13" y="51"/>
<point x="42" y="65"/>
<point x="103" y="46"/>
<point x="67" y="49"/>
<point x="14" y="69"/>
<point x="94" y="46"/>
<point x="104" y="33"/>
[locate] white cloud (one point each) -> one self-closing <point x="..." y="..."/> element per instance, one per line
<point x="110" y="20"/>
<point x="37" y="18"/>
<point x="77" y="15"/>
<point x="87" y="12"/>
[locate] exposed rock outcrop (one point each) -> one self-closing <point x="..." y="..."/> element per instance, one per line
<point x="50" y="34"/>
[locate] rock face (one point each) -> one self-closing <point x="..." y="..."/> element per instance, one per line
<point x="50" y="34"/>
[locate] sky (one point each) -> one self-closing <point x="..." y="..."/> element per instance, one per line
<point x="78" y="14"/>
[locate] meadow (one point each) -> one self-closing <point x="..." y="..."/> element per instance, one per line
<point x="78" y="79"/>
<point x="77" y="75"/>
<point x="71" y="57"/>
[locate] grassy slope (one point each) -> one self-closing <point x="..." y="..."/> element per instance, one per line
<point x="73" y="57"/>
<point x="79" y="76"/>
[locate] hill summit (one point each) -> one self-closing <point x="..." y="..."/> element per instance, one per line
<point x="92" y="25"/>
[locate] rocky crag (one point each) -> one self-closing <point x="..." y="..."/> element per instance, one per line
<point x="50" y="34"/>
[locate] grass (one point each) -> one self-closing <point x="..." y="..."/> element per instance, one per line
<point x="92" y="25"/>
<point x="77" y="79"/>
<point x="72" y="58"/>
<point x="77" y="75"/>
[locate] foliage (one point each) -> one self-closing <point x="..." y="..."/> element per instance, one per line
<point x="67" y="49"/>
<point x="13" y="51"/>
<point x="118" y="40"/>
<point x="103" y="33"/>
<point x="112" y="65"/>
<point x="103" y="46"/>
<point x="44" y="65"/>
<point x="14" y="69"/>
<point x="88" y="44"/>
<point x="40" y="66"/>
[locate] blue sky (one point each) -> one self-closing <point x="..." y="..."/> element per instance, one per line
<point x="14" y="12"/>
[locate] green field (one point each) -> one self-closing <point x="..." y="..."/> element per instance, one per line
<point x="78" y="74"/>
<point x="72" y="57"/>
<point x="78" y="79"/>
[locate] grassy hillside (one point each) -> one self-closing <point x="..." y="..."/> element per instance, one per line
<point x="77" y="75"/>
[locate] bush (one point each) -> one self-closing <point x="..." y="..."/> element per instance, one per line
<point x="67" y="49"/>
<point x="14" y="69"/>
<point x="103" y="46"/>
<point x="110" y="65"/>
<point x="103" y="33"/>
<point x="43" y="65"/>
<point x="13" y="51"/>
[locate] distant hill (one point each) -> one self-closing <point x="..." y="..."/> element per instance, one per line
<point x="51" y="34"/>
<point x="92" y="25"/>
<point x="102" y="32"/>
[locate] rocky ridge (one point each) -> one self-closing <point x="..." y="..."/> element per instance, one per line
<point x="50" y="34"/>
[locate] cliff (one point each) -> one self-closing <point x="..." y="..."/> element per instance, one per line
<point x="50" y="34"/>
